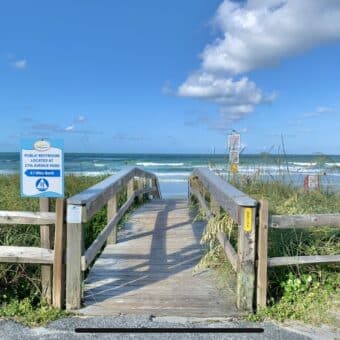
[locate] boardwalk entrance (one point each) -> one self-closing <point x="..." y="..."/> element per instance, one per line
<point x="149" y="270"/>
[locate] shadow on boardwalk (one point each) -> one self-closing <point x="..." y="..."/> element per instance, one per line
<point x="150" y="268"/>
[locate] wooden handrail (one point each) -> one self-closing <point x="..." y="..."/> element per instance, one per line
<point x="310" y="259"/>
<point x="222" y="238"/>
<point x="27" y="217"/>
<point x="96" y="245"/>
<point x="95" y="197"/>
<point x="85" y="205"/>
<point x="283" y="222"/>
<point x="14" y="254"/>
<point x="242" y="210"/>
<point x="304" y="221"/>
<point x="228" y="249"/>
<point x="52" y="291"/>
<point x="227" y="196"/>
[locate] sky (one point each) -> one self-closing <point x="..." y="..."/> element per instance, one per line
<point x="171" y="76"/>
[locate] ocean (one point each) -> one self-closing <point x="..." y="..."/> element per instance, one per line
<point x="173" y="169"/>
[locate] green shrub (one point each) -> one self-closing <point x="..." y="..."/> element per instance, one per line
<point x="30" y="314"/>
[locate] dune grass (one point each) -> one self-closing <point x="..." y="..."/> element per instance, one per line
<point x="296" y="291"/>
<point x="20" y="290"/>
<point x="20" y="286"/>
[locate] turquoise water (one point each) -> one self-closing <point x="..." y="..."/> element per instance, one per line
<point x="174" y="169"/>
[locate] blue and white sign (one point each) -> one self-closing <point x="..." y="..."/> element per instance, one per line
<point x="42" y="168"/>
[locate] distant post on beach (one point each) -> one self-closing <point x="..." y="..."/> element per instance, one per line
<point x="234" y="145"/>
<point x="312" y="182"/>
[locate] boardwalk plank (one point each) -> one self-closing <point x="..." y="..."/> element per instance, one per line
<point x="150" y="269"/>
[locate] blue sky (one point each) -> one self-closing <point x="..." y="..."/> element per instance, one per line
<point x="171" y="76"/>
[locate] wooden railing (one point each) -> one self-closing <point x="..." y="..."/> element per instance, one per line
<point x="52" y="271"/>
<point x="242" y="209"/>
<point x="283" y="222"/>
<point x="81" y="207"/>
<point x="252" y="252"/>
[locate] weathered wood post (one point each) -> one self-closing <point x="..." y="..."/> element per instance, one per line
<point x="214" y="206"/>
<point x="262" y="255"/>
<point x="130" y="188"/>
<point x="246" y="258"/>
<point x="74" y="249"/>
<point x="46" y="242"/>
<point x="191" y="188"/>
<point x="149" y="186"/>
<point x="59" y="256"/>
<point x="111" y="212"/>
<point x="155" y="185"/>
<point x="140" y="187"/>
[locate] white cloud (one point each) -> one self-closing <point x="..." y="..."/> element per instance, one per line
<point x="259" y="34"/>
<point x="69" y="128"/>
<point x="256" y="34"/>
<point x="237" y="98"/>
<point x="320" y="110"/>
<point x="222" y="90"/>
<point x="19" y="64"/>
<point x="324" y="109"/>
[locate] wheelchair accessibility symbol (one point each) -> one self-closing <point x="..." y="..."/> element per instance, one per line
<point x="42" y="184"/>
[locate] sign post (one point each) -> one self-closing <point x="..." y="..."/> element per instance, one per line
<point x="234" y="145"/>
<point x="312" y="182"/>
<point x="42" y="175"/>
<point x="42" y="168"/>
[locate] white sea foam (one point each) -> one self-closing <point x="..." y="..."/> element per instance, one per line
<point x="172" y="174"/>
<point x="99" y="165"/>
<point x="158" y="164"/>
<point x="332" y="164"/>
<point x="89" y="173"/>
<point x="303" y="163"/>
<point x="172" y="180"/>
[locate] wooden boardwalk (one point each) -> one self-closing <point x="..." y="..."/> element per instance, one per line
<point x="149" y="270"/>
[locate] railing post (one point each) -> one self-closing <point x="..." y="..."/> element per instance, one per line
<point x="193" y="186"/>
<point x="149" y="184"/>
<point x="59" y="253"/>
<point x="156" y="187"/>
<point x="130" y="188"/>
<point x="111" y="212"/>
<point x="214" y="206"/>
<point x="45" y="241"/>
<point x="246" y="258"/>
<point x="262" y="254"/>
<point x="74" y="249"/>
<point x="140" y="187"/>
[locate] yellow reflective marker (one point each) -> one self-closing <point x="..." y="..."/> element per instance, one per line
<point x="234" y="168"/>
<point x="247" y="219"/>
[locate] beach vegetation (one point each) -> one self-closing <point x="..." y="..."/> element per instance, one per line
<point x="309" y="293"/>
<point x="20" y="285"/>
